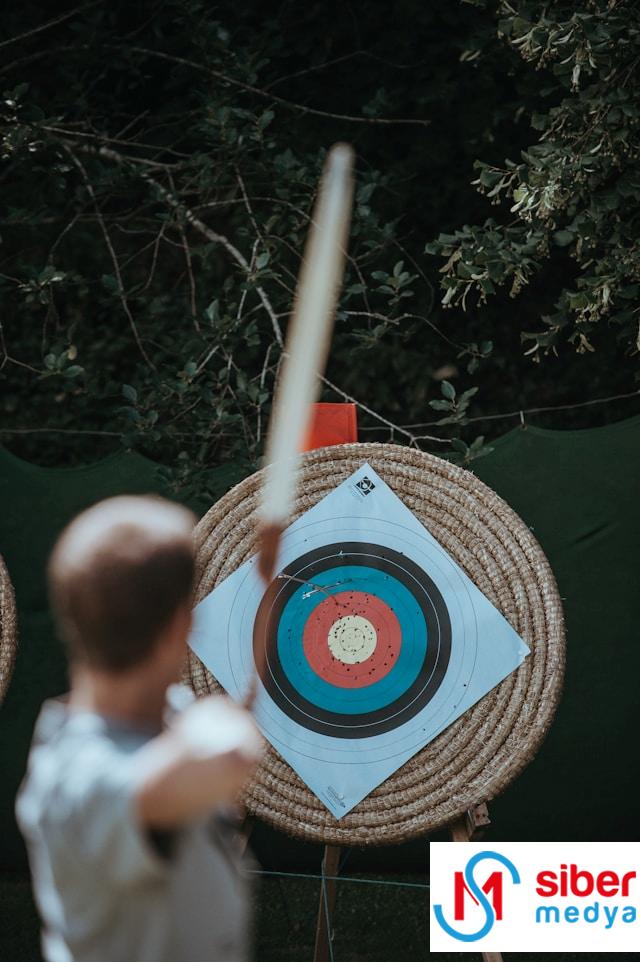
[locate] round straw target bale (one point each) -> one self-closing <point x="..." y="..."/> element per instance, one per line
<point x="477" y="756"/>
<point x="8" y="630"/>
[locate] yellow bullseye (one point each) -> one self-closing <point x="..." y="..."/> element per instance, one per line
<point x="352" y="639"/>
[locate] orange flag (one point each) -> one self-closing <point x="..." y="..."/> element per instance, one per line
<point x="331" y="424"/>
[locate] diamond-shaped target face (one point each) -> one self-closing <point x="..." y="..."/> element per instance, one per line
<point x="371" y="637"/>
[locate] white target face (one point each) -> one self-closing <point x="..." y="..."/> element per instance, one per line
<point x="352" y="639"/>
<point x="372" y="640"/>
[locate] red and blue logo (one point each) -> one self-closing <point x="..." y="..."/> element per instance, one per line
<point x="489" y="895"/>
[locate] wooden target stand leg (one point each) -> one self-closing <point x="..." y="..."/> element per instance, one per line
<point x="327" y="902"/>
<point x="247" y="823"/>
<point x="467" y="829"/>
<point x="330" y="868"/>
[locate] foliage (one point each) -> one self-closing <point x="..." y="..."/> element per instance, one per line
<point x="575" y="193"/>
<point x="159" y="163"/>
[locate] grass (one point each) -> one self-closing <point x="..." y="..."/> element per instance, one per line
<point x="373" y="923"/>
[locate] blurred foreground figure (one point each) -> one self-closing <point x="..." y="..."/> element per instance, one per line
<point x="124" y="800"/>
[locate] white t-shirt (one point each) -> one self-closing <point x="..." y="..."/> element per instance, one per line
<point x="106" y="891"/>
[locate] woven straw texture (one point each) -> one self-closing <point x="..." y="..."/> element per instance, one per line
<point x="8" y="632"/>
<point x="475" y="758"/>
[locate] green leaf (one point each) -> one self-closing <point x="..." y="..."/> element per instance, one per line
<point x="130" y="393"/>
<point x="562" y="238"/>
<point x="467" y="395"/>
<point x="110" y="283"/>
<point x="489" y="178"/>
<point x="448" y="390"/>
<point x="265" y="119"/>
<point x="539" y="121"/>
<point x="458" y="445"/>
<point x="212" y="312"/>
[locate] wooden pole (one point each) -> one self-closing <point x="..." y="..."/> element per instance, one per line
<point x="324" y="929"/>
<point x="246" y="831"/>
<point x="465" y="830"/>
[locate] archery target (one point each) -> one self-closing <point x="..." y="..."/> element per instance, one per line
<point x="351" y="638"/>
<point x="357" y="640"/>
<point x="372" y="640"/>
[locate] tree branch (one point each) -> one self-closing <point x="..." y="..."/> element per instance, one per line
<point x="249" y="88"/>
<point x="187" y="257"/>
<point x="50" y="23"/>
<point x="112" y="254"/>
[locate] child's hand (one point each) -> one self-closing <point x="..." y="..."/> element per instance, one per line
<point x="201" y="762"/>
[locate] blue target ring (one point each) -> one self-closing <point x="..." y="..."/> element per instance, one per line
<point x="300" y="607"/>
<point x="352" y="712"/>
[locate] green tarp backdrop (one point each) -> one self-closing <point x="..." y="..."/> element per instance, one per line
<point x="579" y="493"/>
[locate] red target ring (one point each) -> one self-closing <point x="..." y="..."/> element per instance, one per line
<point x="354" y="623"/>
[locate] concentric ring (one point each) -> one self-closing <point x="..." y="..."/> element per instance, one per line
<point x="384" y="704"/>
<point x="353" y="666"/>
<point x="352" y="639"/>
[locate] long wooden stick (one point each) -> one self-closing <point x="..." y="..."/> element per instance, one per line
<point x="306" y="350"/>
<point x="307" y="346"/>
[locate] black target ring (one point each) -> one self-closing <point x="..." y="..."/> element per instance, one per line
<point x="428" y="678"/>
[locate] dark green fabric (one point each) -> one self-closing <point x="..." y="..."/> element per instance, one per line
<point x="577" y="490"/>
<point x="579" y="493"/>
<point x="35" y="504"/>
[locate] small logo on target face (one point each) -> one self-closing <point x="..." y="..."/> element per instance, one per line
<point x="365" y="485"/>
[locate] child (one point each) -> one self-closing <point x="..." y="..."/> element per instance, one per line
<point x="123" y="814"/>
